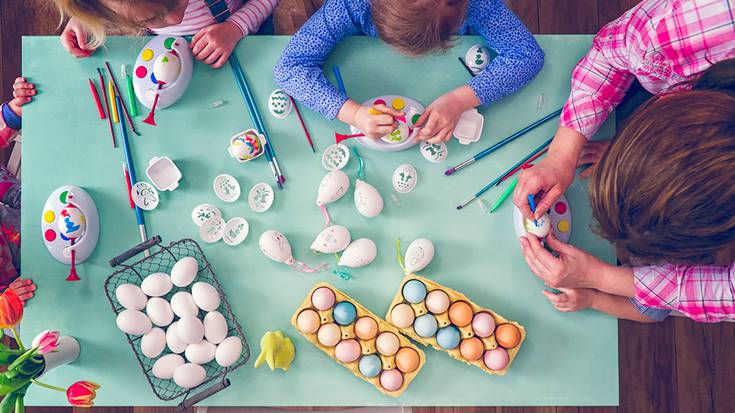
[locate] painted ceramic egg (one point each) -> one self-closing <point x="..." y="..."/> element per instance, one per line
<point x="133" y="322"/>
<point x="425" y="325"/>
<point x="370" y="365"/>
<point x="414" y="291"/>
<point x="404" y="178"/>
<point x="541" y="228"/>
<point x="483" y="324"/>
<point x="397" y="136"/>
<point x="246" y="145"/>
<point x="419" y="255"/>
<point x="334" y="186"/>
<point x="496" y="359"/>
<point x="402" y="315"/>
<point x="448" y="337"/>
<point x="308" y="322"/>
<point x="407" y="360"/>
<point x="260" y="197"/>
<point x="131" y="297"/>
<point x="189" y="375"/>
<point x="72" y="222"/>
<point x="391" y="380"/>
<point x="437" y="301"/>
<point x="228" y="351"/>
<point x="359" y="253"/>
<point x="344" y="313"/>
<point x="215" y="327"/>
<point x="471" y="348"/>
<point x="387" y="343"/>
<point x="182" y="304"/>
<point x="368" y="201"/>
<point x="347" y="351"/>
<point x="173" y="341"/>
<point x="334" y="238"/>
<point x="433" y="152"/>
<point x="507" y="335"/>
<point x="279" y="104"/>
<point x="275" y="246"/>
<point x="164" y="367"/>
<point x="460" y="314"/>
<point x="201" y="352"/>
<point x="477" y="58"/>
<point x="190" y="329"/>
<point x="329" y="335"/>
<point x="184" y="271"/>
<point x="153" y="343"/>
<point x="323" y="298"/>
<point x="159" y="311"/>
<point x="166" y="68"/>
<point x="156" y="285"/>
<point x="366" y="328"/>
<point x="205" y="296"/>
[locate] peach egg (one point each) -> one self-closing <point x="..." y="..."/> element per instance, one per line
<point x="471" y="348"/>
<point x="407" y="360"/>
<point x="366" y="328"/>
<point x="507" y="335"/>
<point x="329" y="335"/>
<point x="402" y="315"/>
<point x="437" y="301"/>
<point x="387" y="343"/>
<point x="391" y="380"/>
<point x="308" y="321"/>
<point x="483" y="324"/>
<point x="496" y="359"/>
<point x="323" y="298"/>
<point x="460" y="314"/>
<point x="347" y="351"/>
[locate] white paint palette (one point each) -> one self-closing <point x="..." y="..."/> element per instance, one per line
<point x="413" y="110"/>
<point x="561" y="220"/>
<point x="145" y="83"/>
<point x="55" y="240"/>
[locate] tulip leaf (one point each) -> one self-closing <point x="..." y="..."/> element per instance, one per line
<point x="8" y="403"/>
<point x="28" y="354"/>
<point x="9" y="385"/>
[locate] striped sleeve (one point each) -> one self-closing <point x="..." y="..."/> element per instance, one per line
<point x="252" y="14"/>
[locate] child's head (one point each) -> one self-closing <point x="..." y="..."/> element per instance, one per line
<point x="417" y="27"/>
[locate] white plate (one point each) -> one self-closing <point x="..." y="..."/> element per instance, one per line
<point x="212" y="230"/>
<point x="411" y="107"/>
<point x="235" y="231"/>
<point x="335" y="157"/>
<point x="261" y="197"/>
<point x="204" y="212"/>
<point x="226" y="188"/>
<point x="144" y="196"/>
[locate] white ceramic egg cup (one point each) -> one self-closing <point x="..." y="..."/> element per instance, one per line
<point x="59" y="248"/>
<point x="145" y="88"/>
<point x="555" y="219"/>
<point x="411" y="107"/>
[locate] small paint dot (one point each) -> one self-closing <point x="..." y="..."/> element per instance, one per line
<point x="49" y="216"/>
<point x="398" y="104"/>
<point x="374" y="111"/>
<point x="415" y="118"/>
<point x="153" y="79"/>
<point x="146" y="55"/>
<point x="140" y="72"/>
<point x="50" y="235"/>
<point x="62" y="197"/>
<point x="379" y="102"/>
<point x="63" y="237"/>
<point x="563" y="226"/>
<point x="560" y="208"/>
<point x="168" y="43"/>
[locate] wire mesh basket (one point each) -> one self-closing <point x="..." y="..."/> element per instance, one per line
<point x="162" y="261"/>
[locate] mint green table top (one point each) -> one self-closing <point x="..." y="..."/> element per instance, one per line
<point x="567" y="359"/>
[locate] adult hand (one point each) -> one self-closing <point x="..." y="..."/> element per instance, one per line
<point x="23" y="93"/>
<point x="74" y="39"/>
<point x="214" y="44"/>
<point x="573" y="268"/>
<point x="571" y="299"/>
<point x="591" y="154"/>
<point x="438" y="121"/>
<point x="547" y="180"/>
<point x="25" y="289"/>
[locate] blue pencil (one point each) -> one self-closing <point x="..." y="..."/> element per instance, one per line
<point x="338" y="75"/>
<point x="532" y="204"/>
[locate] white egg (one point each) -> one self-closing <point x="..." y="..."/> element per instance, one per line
<point x="201" y="352"/>
<point x="215" y="327"/>
<point x="404" y="178"/>
<point x="542" y="229"/>
<point x="166" y="68"/>
<point x="159" y="311"/>
<point x="228" y="351"/>
<point x="153" y="343"/>
<point x="173" y="340"/>
<point x="477" y="58"/>
<point x="182" y="304"/>
<point x="275" y="246"/>
<point x="156" y="285"/>
<point x="359" y="253"/>
<point x="205" y="296"/>
<point x="419" y="254"/>
<point x="334" y="186"/>
<point x="189" y="375"/>
<point x="164" y="367"/>
<point x="334" y="238"/>
<point x="131" y="297"/>
<point x="368" y="201"/>
<point x="184" y="271"/>
<point x="133" y="322"/>
<point x="190" y="329"/>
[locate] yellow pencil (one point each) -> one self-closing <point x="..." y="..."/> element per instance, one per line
<point x="113" y="105"/>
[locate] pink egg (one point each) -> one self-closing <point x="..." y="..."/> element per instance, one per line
<point x="391" y="380"/>
<point x="323" y="298"/>
<point x="483" y="324"/>
<point x="496" y="359"/>
<point x="437" y="301"/>
<point x="347" y="351"/>
<point x="387" y="343"/>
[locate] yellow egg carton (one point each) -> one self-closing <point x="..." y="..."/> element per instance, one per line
<point x="368" y="347"/>
<point x="465" y="332"/>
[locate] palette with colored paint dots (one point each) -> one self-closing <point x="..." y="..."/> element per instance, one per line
<point x="401" y="138"/>
<point x="145" y="82"/>
<point x="560" y="216"/>
<point x="447" y="320"/>
<point x="370" y="348"/>
<point x="70" y="214"/>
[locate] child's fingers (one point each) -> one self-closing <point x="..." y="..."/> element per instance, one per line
<point x="389" y="111"/>
<point x="21" y="93"/>
<point x="384" y="120"/>
<point x="216" y="54"/>
<point x="19" y="80"/>
<point x="205" y="52"/>
<point x="195" y="40"/>
<point x="24" y="289"/>
<point x="198" y="44"/>
<point x="23" y="85"/>
<point x="587" y="172"/>
<point x="383" y="130"/>
<point x="26" y="296"/>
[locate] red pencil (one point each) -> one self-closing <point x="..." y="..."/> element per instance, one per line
<point x="127" y="183"/>
<point x="97" y="99"/>
<point x="524" y="166"/>
<point x="107" y="107"/>
<point x="303" y="125"/>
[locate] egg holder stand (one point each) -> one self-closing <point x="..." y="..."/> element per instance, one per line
<point x="59" y="247"/>
<point x="162" y="261"/>
<point x="561" y="222"/>
<point x="367" y="347"/>
<point x="442" y="319"/>
<point x="143" y="79"/>
<point x="414" y="108"/>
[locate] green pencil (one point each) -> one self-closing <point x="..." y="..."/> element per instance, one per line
<point x="131" y="93"/>
<point x="505" y="195"/>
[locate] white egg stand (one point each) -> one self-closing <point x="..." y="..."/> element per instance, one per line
<point x="59" y="247"/>
<point x="411" y="108"/>
<point x="559" y="221"/>
<point x="143" y="80"/>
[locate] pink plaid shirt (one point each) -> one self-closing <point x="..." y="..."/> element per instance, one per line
<point x="658" y="42"/>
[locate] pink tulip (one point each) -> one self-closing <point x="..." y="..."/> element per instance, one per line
<point x="47" y="342"/>
<point x="82" y="393"/>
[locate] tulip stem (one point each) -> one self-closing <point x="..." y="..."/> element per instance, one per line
<point x="17" y="339"/>
<point x="48" y="386"/>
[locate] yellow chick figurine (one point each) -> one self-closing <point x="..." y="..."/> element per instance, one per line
<point x="277" y="350"/>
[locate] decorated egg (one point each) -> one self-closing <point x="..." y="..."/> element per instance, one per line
<point x="173" y="341"/>
<point x="184" y="271"/>
<point x="205" y="296"/>
<point x="159" y="311"/>
<point x="156" y="285"/>
<point x="407" y="360"/>
<point x="246" y="146"/>
<point x="400" y="134"/>
<point x="460" y="314"/>
<point x="189" y="375"/>
<point x="347" y="351"/>
<point x="215" y="327"/>
<point x="275" y="246"/>
<point x="308" y="322"/>
<point x="477" y="58"/>
<point x="323" y="298"/>
<point x="130" y="296"/>
<point x="448" y="337"/>
<point x="279" y="104"/>
<point x="402" y="315"/>
<point x="425" y="325"/>
<point x="72" y="222"/>
<point x="201" y="352"/>
<point x="496" y="359"/>
<point x="182" y="304"/>
<point x="419" y="255"/>
<point x="370" y="365"/>
<point x="153" y="343"/>
<point x="387" y="343"/>
<point x="391" y="380"/>
<point x="329" y="335"/>
<point x="359" y="253"/>
<point x="228" y="351"/>
<point x="541" y="228"/>
<point x="414" y="291"/>
<point x="471" y="348"/>
<point x="368" y="201"/>
<point x="507" y="335"/>
<point x="334" y="238"/>
<point x="190" y="329"/>
<point x="437" y="301"/>
<point x="166" y="68"/>
<point x="165" y="366"/>
<point x="433" y="152"/>
<point x="404" y="178"/>
<point x="366" y="328"/>
<point x="483" y="324"/>
<point x="344" y="313"/>
<point x="334" y="186"/>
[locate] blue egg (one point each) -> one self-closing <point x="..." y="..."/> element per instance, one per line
<point x="370" y="365"/>
<point x="448" y="337"/>
<point x="425" y="325"/>
<point x="344" y="313"/>
<point x="414" y="291"/>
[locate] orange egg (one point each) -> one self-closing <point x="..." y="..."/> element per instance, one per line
<point x="460" y="314"/>
<point x="507" y="335"/>
<point x="471" y="348"/>
<point x="366" y="328"/>
<point x="407" y="360"/>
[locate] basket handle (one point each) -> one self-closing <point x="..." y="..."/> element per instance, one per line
<point x="188" y="402"/>
<point x="135" y="251"/>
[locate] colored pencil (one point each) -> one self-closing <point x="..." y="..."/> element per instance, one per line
<point x="117" y="90"/>
<point x="532" y="204"/>
<point x="525" y="165"/>
<point x="338" y="76"/>
<point x="467" y="68"/>
<point x="504" y="196"/>
<point x="303" y="125"/>
<point x="127" y="185"/>
<point x="496" y="180"/>
<point x="96" y="98"/>
<point x="500" y="144"/>
<point x="107" y="107"/>
<point x="113" y="104"/>
<point x="131" y="92"/>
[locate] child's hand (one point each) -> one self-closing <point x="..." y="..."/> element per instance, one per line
<point x="573" y="268"/>
<point x="376" y="121"/>
<point x="22" y="94"/>
<point x="25" y="289"/>
<point x="550" y="178"/>
<point x="437" y="123"/>
<point x="571" y="299"/>
<point x="591" y="154"/>
<point x="74" y="39"/>
<point x="214" y="44"/>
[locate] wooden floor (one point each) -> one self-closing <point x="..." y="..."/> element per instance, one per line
<point x="669" y="367"/>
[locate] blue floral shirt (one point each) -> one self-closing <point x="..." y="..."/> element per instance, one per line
<point x="299" y="70"/>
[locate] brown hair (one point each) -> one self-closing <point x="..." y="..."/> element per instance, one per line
<point x="417" y="27"/>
